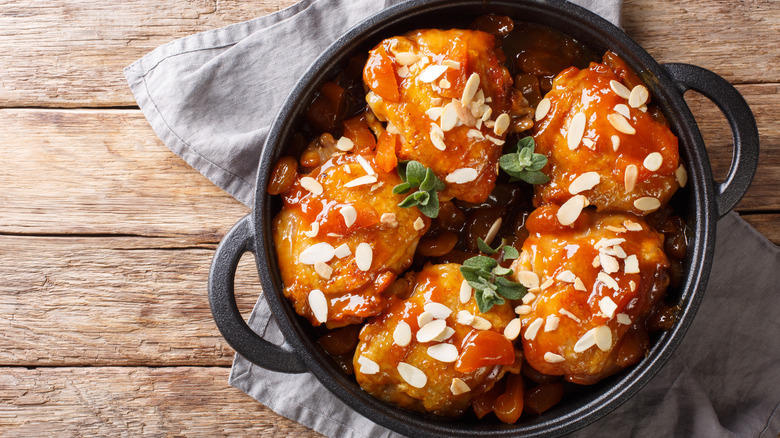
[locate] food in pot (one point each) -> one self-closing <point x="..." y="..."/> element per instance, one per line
<point x="410" y="236"/>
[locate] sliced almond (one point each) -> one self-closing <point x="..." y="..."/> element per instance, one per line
<point x="608" y="281"/>
<point x="631" y="225"/>
<point x="604" y="243"/>
<point x="349" y="214"/>
<point x="451" y="64"/>
<point x="512" y="329"/>
<point x="495" y="141"/>
<point x="607" y="307"/>
<point x="438" y="310"/>
<point x="529" y="279"/>
<point x="345" y="144"/>
<point x="621" y="124"/>
<point x="424" y="318"/>
<point x="630" y="177"/>
<point x="402" y="335"/>
<point x="542" y="109"/>
<point x="406" y="58"/>
<point x="464" y="114"/>
<point x="402" y="72"/>
<point x="365" y="165"/>
<point x="367" y="366"/>
<point x="315" y="229"/>
<point x="502" y="124"/>
<point x="475" y="133"/>
<point x="465" y="292"/>
<point x="576" y="131"/>
<point x="547" y="283"/>
<point x="586" y="181"/>
<point x="412" y="375"/>
<point x="638" y="96"/>
<point x="590" y="144"/>
<point x="586" y="341"/>
<point x="620" y="89"/>
<point x="493" y="231"/>
<point x="570" y="210"/>
<point x="615" y="142"/>
<point x="434" y="113"/>
<point x="319" y="252"/>
<point x="444" y="83"/>
<point x="418" y="224"/>
<point x="681" y="175"/>
<point x="618" y="230"/>
<point x="481" y="323"/>
<point x="431" y="73"/>
<point x="623" y="110"/>
<point x="388" y="220"/>
<point x="431" y="330"/>
<point x="464" y="317"/>
<point x="566" y="276"/>
<point x="570" y="315"/>
<point x="446" y="334"/>
<point x="603" y="337"/>
<point x="323" y="270"/>
<point x="311" y="185"/>
<point x="624" y="319"/>
<point x="596" y="262"/>
<point x="361" y="181"/>
<point x="632" y="285"/>
<point x="647" y="203"/>
<point x="579" y="285"/>
<point x="523" y="309"/>
<point x="342" y="251"/>
<point x="449" y="117"/>
<point x="458" y="386"/>
<point x="653" y="161"/>
<point x="551" y="323"/>
<point x="533" y="329"/>
<point x="472" y="85"/>
<point x="462" y="176"/>
<point x="553" y="358"/>
<point x="608" y="263"/>
<point x="318" y="305"/>
<point x="364" y="255"/>
<point x="529" y="297"/>
<point x="446" y="353"/>
<point x="437" y="137"/>
<point x="632" y="265"/>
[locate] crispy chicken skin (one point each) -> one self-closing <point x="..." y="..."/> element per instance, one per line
<point x="603" y="148"/>
<point x="434" y="284"/>
<point x="351" y="293"/>
<point x="569" y="262"/>
<point x="398" y="74"/>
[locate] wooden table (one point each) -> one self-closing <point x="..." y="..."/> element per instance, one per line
<point x="106" y="236"/>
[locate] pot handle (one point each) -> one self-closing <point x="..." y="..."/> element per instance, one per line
<point x="222" y="299"/>
<point x="744" y="158"/>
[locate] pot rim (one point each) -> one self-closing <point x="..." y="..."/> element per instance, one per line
<point x="701" y="217"/>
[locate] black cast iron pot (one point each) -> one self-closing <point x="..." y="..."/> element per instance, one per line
<point x="703" y="201"/>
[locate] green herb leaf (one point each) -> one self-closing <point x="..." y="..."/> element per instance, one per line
<point x="401" y="169"/>
<point x="525" y="165"/>
<point x="402" y="188"/>
<point x="481" y="262"/>
<point x="487" y="276"/>
<point x="426" y="198"/>
<point x="526" y="142"/>
<point x="415" y="173"/>
<point x="510" y="253"/>
<point x="422" y="198"/>
<point x="431" y="206"/>
<point x="484" y="247"/>
<point x="408" y="202"/>
<point x="500" y="270"/>
<point x="533" y="177"/>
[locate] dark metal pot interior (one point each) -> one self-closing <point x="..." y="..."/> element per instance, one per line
<point x="696" y="203"/>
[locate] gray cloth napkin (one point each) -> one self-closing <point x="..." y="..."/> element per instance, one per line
<point x="211" y="98"/>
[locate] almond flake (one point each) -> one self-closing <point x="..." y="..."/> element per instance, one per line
<point x="455" y="65"/>
<point x="431" y="73"/>
<point x="615" y="142"/>
<point x="502" y="124"/>
<point x="437" y="137"/>
<point x="586" y="181"/>
<point x="311" y="185"/>
<point x="632" y="265"/>
<point x="434" y="113"/>
<point x="570" y="315"/>
<point x="315" y="229"/>
<point x="438" y="310"/>
<point x="406" y="58"/>
<point x="576" y="130"/>
<point x="493" y="231"/>
<point x="364" y="255"/>
<point x="653" y="161"/>
<point x="323" y="270"/>
<point x="342" y="251"/>
<point x="319" y="252"/>
<point x="607" y="307"/>
<point x="481" y="323"/>
<point x="586" y="341"/>
<point x="479" y="98"/>
<point x="403" y="72"/>
<point x="449" y="117"/>
<point x="608" y="263"/>
<point x="412" y="375"/>
<point x="424" y="318"/>
<point x="551" y="323"/>
<point x="446" y="353"/>
<point x="458" y="386"/>
<point x="681" y="175"/>
<point x="603" y="243"/>
<point x="367" y="366"/>
<point x="614" y="229"/>
<point x="418" y="224"/>
<point x="623" y="110"/>
<point x="318" y="305"/>
<point x="631" y="225"/>
<point x="402" y="335"/>
<point x="512" y="330"/>
<point x="486" y="113"/>
<point x="365" y="165"/>
<point x="464" y="317"/>
<point x="608" y="281"/>
<point x="465" y="292"/>
<point x="529" y="297"/>
<point x="570" y="210"/>
<point x="349" y="214"/>
<point x="647" y="203"/>
<point x="620" y="89"/>
<point x="462" y="176"/>
<point x="431" y="330"/>
<point x="603" y="336"/>
<point x="632" y="285"/>
<point x="553" y="358"/>
<point x="533" y="329"/>
<point x="361" y="181"/>
<point x="472" y="85"/>
<point x="523" y="309"/>
<point x="464" y="114"/>
<point x="566" y="276"/>
<point x="542" y="109"/>
<point x="638" y="96"/>
<point x="630" y="177"/>
<point x="579" y="285"/>
<point x="624" y="319"/>
<point x="495" y="141"/>
<point x="590" y="144"/>
<point x="444" y="83"/>
<point x="529" y="279"/>
<point x="547" y="283"/>
<point x="388" y="220"/>
<point x="596" y="262"/>
<point x="621" y="124"/>
<point x="475" y="133"/>
<point x="617" y="251"/>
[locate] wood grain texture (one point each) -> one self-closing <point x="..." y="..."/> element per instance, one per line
<point x="133" y="402"/>
<point x="103" y="301"/>
<point x="72" y="53"/>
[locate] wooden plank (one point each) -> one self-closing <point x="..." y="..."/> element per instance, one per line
<point x="88" y="172"/>
<point x="133" y="402"/>
<point x="69" y="54"/>
<point x="107" y="301"/>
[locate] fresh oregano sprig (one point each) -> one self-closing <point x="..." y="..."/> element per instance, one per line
<point x="426" y="198"/>
<point x="488" y="278"/>
<point x="525" y="165"/>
